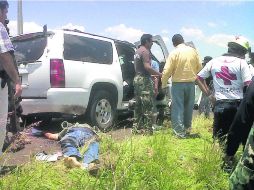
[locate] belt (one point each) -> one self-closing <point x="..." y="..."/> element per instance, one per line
<point x="142" y="74"/>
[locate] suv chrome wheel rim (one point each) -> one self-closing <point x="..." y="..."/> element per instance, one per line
<point x="103" y="111"/>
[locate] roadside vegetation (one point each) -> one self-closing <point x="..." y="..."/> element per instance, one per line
<point x="161" y="161"/>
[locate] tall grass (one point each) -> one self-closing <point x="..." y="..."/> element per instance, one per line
<point x="161" y="161"/>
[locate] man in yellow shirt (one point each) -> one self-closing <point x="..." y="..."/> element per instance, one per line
<point x="182" y="65"/>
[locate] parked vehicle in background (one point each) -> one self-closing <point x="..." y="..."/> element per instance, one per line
<point x="72" y="72"/>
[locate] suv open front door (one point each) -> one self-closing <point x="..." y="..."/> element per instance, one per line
<point x="159" y="54"/>
<point x="159" y="41"/>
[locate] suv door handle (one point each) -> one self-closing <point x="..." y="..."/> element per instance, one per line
<point x="24" y="86"/>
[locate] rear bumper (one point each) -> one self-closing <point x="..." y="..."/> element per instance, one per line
<point x="58" y="100"/>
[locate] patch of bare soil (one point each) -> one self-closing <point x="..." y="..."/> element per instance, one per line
<point x="38" y="144"/>
<point x="27" y="145"/>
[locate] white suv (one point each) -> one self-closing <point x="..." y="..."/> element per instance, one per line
<point x="72" y="72"/>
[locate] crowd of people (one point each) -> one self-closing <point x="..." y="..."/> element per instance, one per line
<point x="226" y="85"/>
<point x="225" y="81"/>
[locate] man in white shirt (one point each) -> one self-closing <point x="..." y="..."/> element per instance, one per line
<point x="231" y="74"/>
<point x="7" y="66"/>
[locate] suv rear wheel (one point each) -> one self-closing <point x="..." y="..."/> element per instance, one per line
<point x="102" y="110"/>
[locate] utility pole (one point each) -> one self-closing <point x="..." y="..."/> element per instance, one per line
<point x="20" y="18"/>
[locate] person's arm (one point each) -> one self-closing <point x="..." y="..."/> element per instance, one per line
<point x="8" y="66"/>
<point x="147" y="64"/>
<point x="150" y="70"/>
<point x="245" y="73"/>
<point x="202" y="85"/>
<point x="204" y="88"/>
<point x="200" y="81"/>
<point x="52" y="136"/>
<point x="167" y="71"/>
<point x="156" y="84"/>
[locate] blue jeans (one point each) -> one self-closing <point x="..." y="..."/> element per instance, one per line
<point x="76" y="138"/>
<point x="183" y="98"/>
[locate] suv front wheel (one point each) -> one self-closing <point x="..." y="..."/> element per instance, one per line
<point x="102" y="110"/>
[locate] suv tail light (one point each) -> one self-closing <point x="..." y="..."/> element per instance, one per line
<point x="57" y="73"/>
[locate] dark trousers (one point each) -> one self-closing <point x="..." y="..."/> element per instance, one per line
<point x="224" y="112"/>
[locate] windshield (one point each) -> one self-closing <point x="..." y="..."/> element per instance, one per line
<point x="29" y="48"/>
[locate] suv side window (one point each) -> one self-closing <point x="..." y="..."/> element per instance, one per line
<point x="79" y="48"/>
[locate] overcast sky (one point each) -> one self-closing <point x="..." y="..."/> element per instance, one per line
<point x="209" y="24"/>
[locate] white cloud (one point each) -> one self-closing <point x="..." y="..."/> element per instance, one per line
<point x="71" y="26"/>
<point x="212" y="24"/>
<point x="219" y="39"/>
<point x="123" y="32"/>
<point x="28" y="27"/>
<point x="164" y="31"/>
<point x="252" y="45"/>
<point x="165" y="39"/>
<point x="192" y="32"/>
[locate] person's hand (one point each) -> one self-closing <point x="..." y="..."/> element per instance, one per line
<point x="165" y="90"/>
<point x="212" y="99"/>
<point x="18" y="90"/>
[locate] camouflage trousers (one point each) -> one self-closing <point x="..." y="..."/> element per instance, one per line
<point x="243" y="176"/>
<point x="144" y="95"/>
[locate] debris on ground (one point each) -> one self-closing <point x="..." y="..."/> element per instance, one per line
<point x="43" y="156"/>
<point x="18" y="141"/>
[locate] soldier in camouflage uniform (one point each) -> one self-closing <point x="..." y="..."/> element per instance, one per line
<point x="243" y="176"/>
<point x="143" y="87"/>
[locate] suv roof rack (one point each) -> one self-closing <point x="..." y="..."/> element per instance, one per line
<point x="115" y="40"/>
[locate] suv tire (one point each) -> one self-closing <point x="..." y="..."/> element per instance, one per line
<point x="102" y="110"/>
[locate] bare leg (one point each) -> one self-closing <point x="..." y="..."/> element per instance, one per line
<point x="52" y="136"/>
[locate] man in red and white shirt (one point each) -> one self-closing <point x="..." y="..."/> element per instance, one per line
<point x="231" y="75"/>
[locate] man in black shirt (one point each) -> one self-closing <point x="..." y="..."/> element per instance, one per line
<point x="241" y="127"/>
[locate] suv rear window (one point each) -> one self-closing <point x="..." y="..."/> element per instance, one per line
<point x="79" y="48"/>
<point x="29" y="48"/>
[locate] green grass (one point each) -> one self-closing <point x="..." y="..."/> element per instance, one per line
<point x="154" y="162"/>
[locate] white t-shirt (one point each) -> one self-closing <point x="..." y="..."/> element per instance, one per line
<point x="5" y="42"/>
<point x="229" y="74"/>
<point x="251" y="69"/>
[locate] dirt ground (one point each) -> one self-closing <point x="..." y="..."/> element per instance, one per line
<point x="121" y="131"/>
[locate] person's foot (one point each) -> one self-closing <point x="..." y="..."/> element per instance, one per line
<point x="228" y="164"/>
<point x="142" y="131"/>
<point x="179" y="135"/>
<point x="72" y="162"/>
<point x="51" y="136"/>
<point x="188" y="131"/>
<point x="93" y="168"/>
<point x="156" y="127"/>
